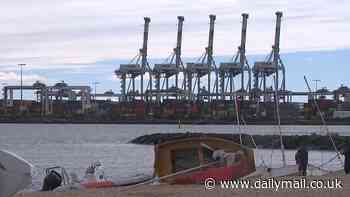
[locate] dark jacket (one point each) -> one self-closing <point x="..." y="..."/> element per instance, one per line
<point x="302" y="156"/>
<point x="346" y="151"/>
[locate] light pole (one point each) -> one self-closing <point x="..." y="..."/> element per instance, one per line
<point x="95" y="87"/>
<point x="21" y="66"/>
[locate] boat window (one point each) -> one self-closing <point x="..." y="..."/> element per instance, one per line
<point x="207" y="155"/>
<point x="184" y="159"/>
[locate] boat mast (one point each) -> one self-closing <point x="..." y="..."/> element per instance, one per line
<point x="276" y="56"/>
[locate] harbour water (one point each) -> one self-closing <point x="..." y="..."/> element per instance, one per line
<point x="75" y="146"/>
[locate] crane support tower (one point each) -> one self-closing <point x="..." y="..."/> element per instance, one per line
<point x="272" y="65"/>
<point x="171" y="67"/>
<point x="204" y="66"/>
<point x="229" y="70"/>
<point x="138" y="66"/>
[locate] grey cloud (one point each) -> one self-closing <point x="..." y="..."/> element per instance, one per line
<point x="60" y="32"/>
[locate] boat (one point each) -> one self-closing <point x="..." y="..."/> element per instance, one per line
<point x="57" y="179"/>
<point x="193" y="160"/>
<point x="15" y="173"/>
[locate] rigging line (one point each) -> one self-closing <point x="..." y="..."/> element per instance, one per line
<point x="271" y="154"/>
<point x="329" y="161"/>
<point x="279" y="121"/>
<point x="253" y="141"/>
<point x="273" y="144"/>
<point x="324" y="122"/>
<point x="246" y="128"/>
<point x="313" y="167"/>
<point x="237" y="114"/>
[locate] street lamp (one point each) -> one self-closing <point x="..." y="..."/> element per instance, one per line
<point x="316" y="81"/>
<point x="21" y="66"/>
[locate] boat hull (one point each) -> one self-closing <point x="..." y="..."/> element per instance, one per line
<point x="193" y="160"/>
<point x="215" y="173"/>
<point x="15" y="173"/>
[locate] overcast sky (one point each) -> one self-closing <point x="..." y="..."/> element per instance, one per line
<point x="66" y="34"/>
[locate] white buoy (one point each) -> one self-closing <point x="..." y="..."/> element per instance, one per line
<point x="15" y="173"/>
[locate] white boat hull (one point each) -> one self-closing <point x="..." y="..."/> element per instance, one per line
<point x="15" y="173"/>
<point x="132" y="180"/>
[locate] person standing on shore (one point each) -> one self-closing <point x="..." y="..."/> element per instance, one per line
<point x="346" y="152"/>
<point x="302" y="158"/>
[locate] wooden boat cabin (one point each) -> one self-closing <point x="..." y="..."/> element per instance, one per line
<point x="192" y="160"/>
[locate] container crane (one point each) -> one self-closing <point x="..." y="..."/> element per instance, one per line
<point x="204" y="66"/>
<point x="172" y="67"/>
<point x="138" y="66"/>
<point x="229" y="70"/>
<point x="272" y="65"/>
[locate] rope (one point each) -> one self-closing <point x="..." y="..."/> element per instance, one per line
<point x="237" y="113"/>
<point x="253" y="141"/>
<point x="279" y="120"/>
<point x="251" y="136"/>
<point x="318" y="168"/>
<point x="272" y="147"/>
<point x="323" y="164"/>
<point x="327" y="162"/>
